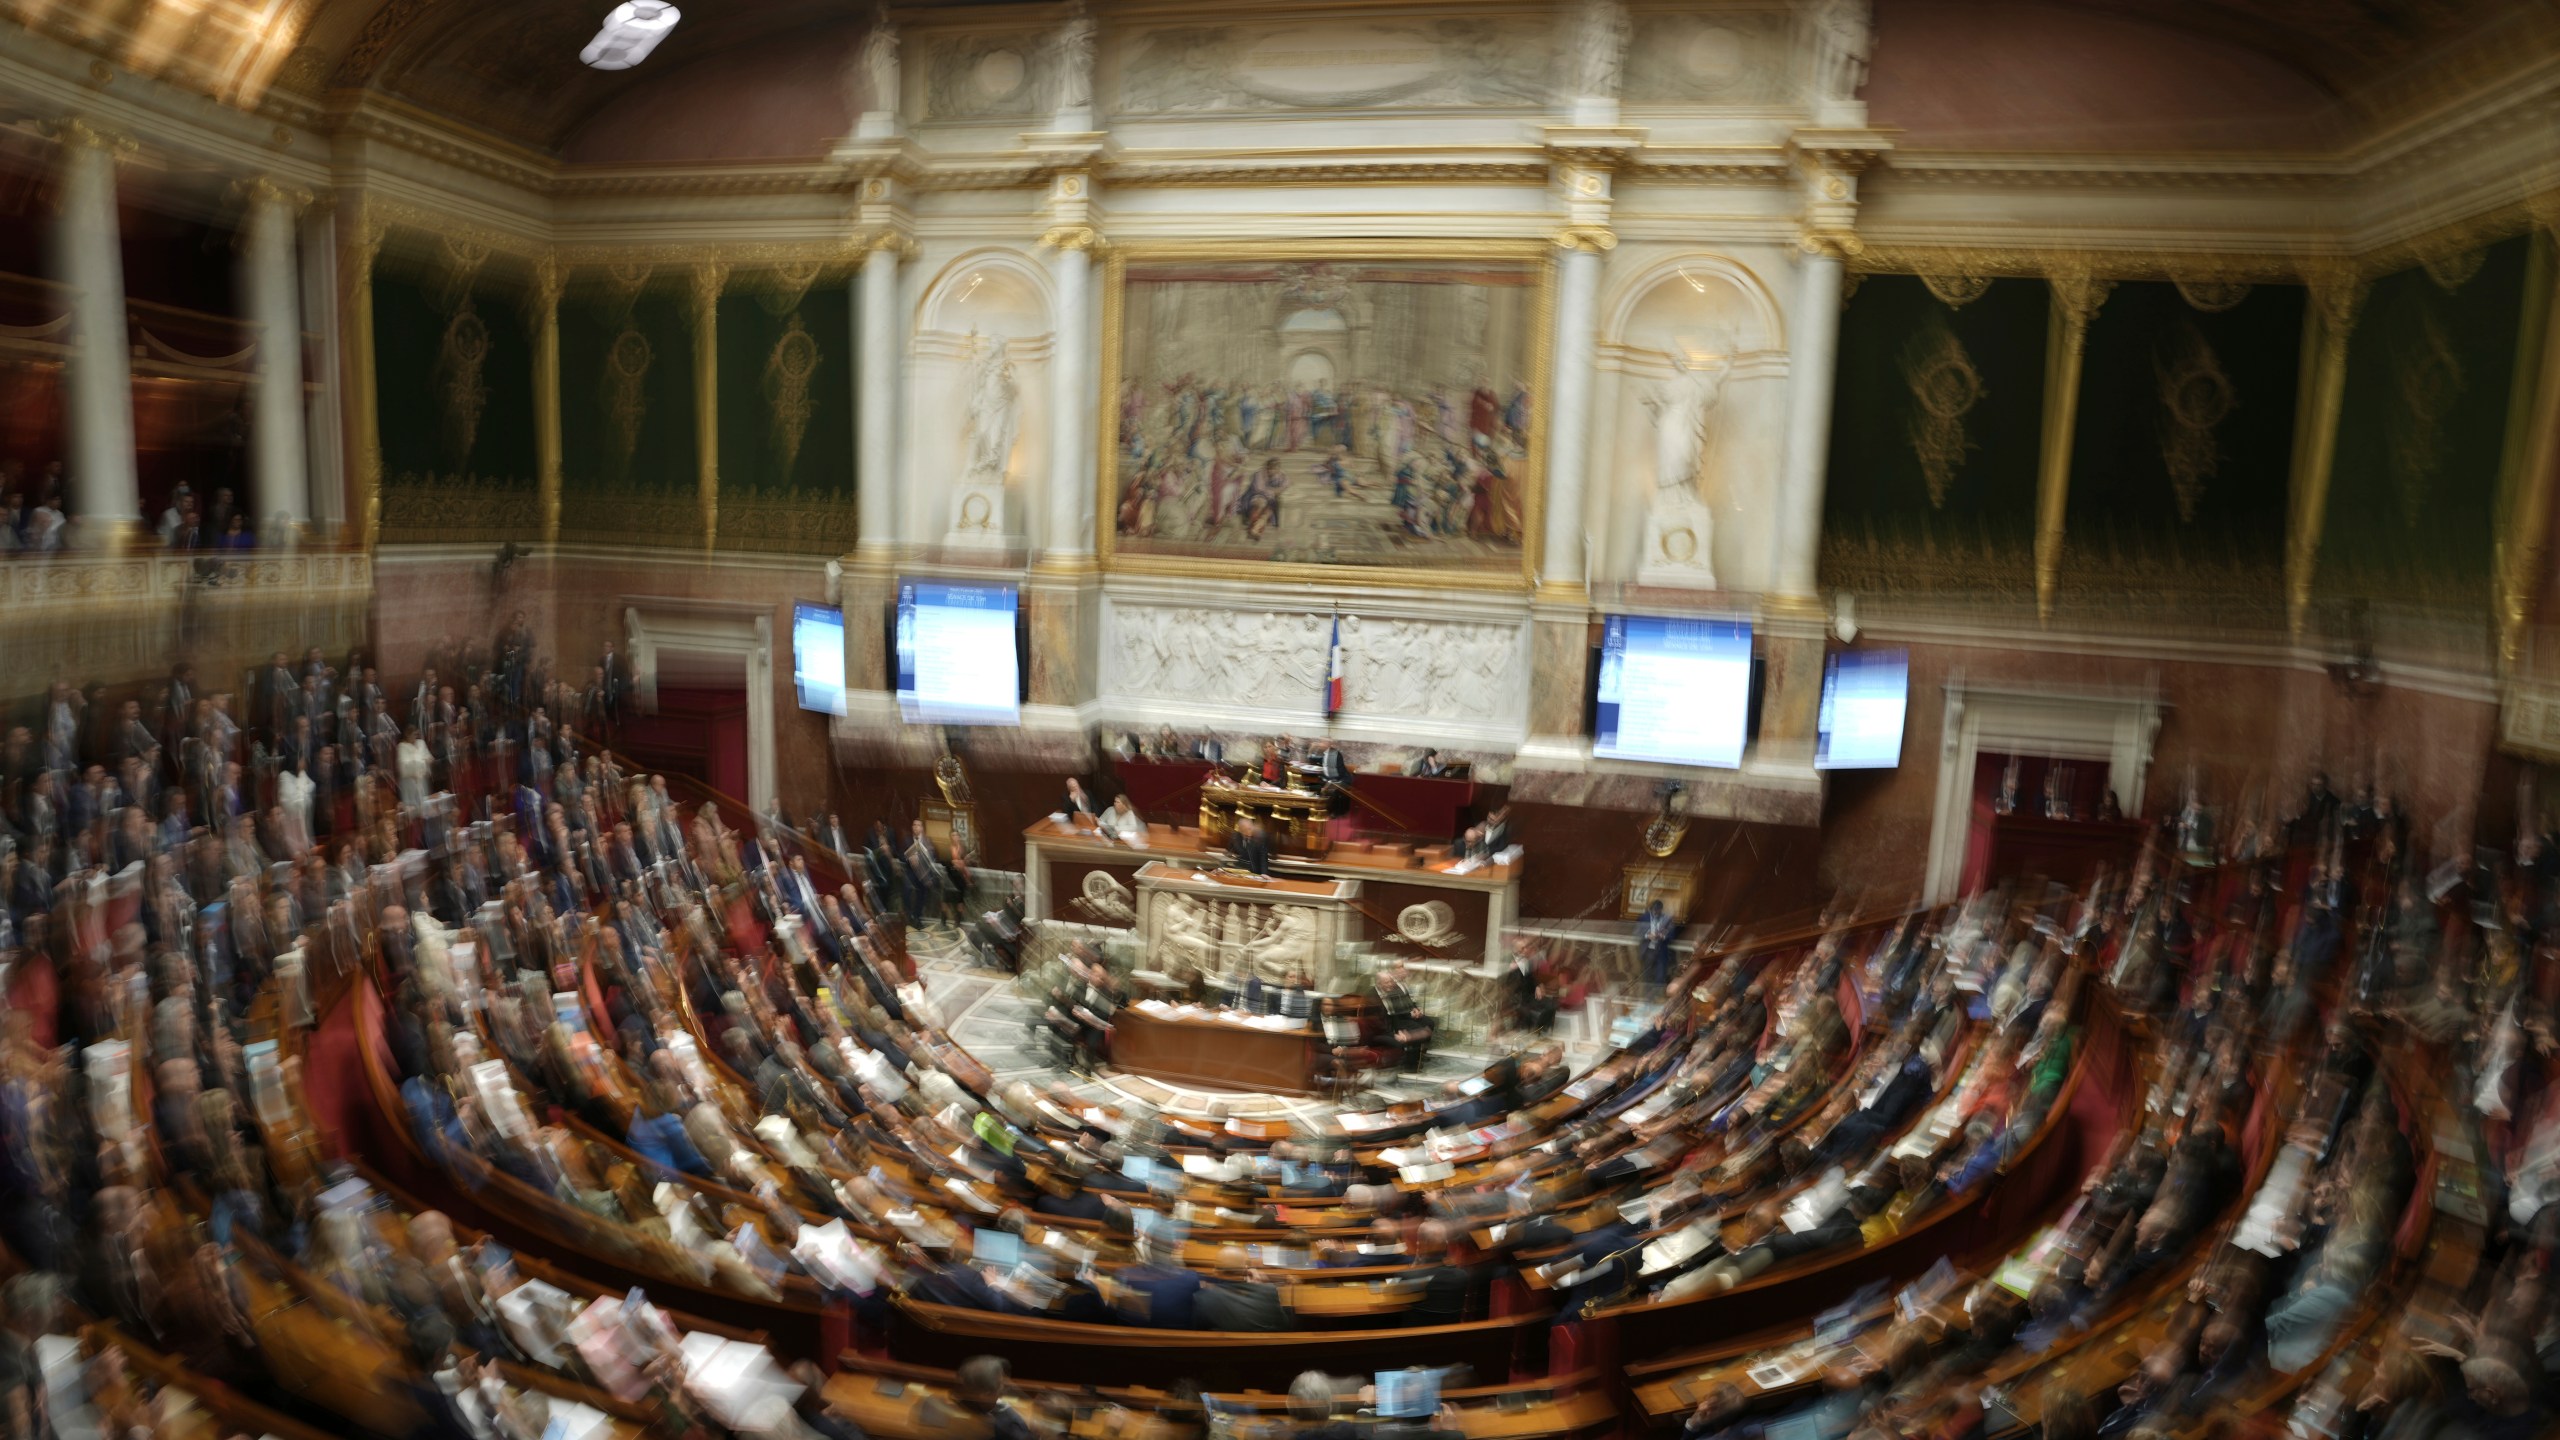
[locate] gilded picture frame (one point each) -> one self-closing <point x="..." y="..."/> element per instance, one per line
<point x="1673" y="883"/>
<point x="1455" y="539"/>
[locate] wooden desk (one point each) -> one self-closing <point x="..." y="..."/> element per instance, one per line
<point x="1214" y="1053"/>
<point x="1163" y="789"/>
<point x="1432" y="807"/>
<point x="1060" y="862"/>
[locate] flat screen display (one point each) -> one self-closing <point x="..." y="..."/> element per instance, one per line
<point x="1412" y="1394"/>
<point x="817" y="657"/>
<point x="1674" y="691"/>
<point x="956" y="659"/>
<point x="1864" y="696"/>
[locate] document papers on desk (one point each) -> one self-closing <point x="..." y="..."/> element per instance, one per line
<point x="1680" y="1246"/>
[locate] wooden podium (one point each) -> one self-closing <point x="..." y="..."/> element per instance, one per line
<point x="1291" y="813"/>
<point x="1213" y="1048"/>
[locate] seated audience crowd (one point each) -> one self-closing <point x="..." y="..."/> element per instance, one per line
<point x="695" y="1050"/>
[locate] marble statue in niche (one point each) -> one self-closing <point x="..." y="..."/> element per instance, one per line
<point x="1599" y="49"/>
<point x="877" y="77"/>
<point x="1072" y="59"/>
<point x="994" y="403"/>
<point x="1838" y="37"/>
<point x="1679" y="529"/>
<point x="989" y="424"/>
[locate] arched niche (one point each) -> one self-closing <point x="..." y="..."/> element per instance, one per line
<point x="994" y="297"/>
<point x="1692" y="309"/>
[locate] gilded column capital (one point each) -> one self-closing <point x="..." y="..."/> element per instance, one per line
<point x="1073" y="237"/>
<point x="887" y="240"/>
<point x="709" y="278"/>
<point x="550" y="280"/>
<point x="2544" y="207"/>
<point x="257" y="190"/>
<point x="1590" y="239"/>
<point x="2336" y="293"/>
<point x="74" y="132"/>
<point x="2077" y="294"/>
<point x="1838" y="242"/>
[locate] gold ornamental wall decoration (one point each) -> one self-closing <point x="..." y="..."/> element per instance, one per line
<point x="1945" y="387"/>
<point x="460" y="357"/>
<point x="2454" y="268"/>
<point x="623" y="282"/>
<point x="1957" y="291"/>
<point x="626" y="396"/>
<point x="2428" y="374"/>
<point x="2195" y="398"/>
<point x="2213" y="296"/>
<point x="787" y="284"/>
<point x="787" y="372"/>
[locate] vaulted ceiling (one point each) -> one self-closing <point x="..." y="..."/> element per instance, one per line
<point x="511" y="68"/>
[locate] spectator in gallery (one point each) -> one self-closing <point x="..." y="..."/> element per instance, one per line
<point x="236" y="535"/>
<point x="44" y="528"/>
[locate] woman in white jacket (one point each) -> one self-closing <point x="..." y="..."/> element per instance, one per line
<point x="414" y="763"/>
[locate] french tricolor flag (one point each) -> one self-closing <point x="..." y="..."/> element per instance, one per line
<point x="1333" y="672"/>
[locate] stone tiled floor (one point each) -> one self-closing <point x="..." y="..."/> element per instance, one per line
<point x="980" y="1009"/>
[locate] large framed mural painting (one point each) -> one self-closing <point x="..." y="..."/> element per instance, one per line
<point x="1333" y="411"/>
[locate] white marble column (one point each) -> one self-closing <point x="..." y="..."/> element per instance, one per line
<point x="1069" y="538"/>
<point x="324" y="444"/>
<point x="1560" y="557"/>
<point x="105" y="498"/>
<point x="875" y="420"/>
<point x="1812" y="369"/>
<point x="279" y="485"/>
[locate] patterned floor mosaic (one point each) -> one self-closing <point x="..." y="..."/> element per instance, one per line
<point x="980" y="1007"/>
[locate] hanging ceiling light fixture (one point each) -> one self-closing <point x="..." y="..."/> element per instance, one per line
<point x="628" y="34"/>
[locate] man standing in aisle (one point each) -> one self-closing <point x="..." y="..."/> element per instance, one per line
<point x="1252" y="849"/>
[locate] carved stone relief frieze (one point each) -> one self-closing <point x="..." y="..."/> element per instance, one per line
<point x="983" y="76"/>
<point x="1421" y="63"/>
<point x="1708" y="60"/>
<point x="1469" y="674"/>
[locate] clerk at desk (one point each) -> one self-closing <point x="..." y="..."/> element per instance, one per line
<point x="1077" y="803"/>
<point x="1337" y="771"/>
<point x="1251" y="847"/>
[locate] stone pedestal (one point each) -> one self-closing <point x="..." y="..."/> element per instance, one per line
<point x="1559" y="673"/>
<point x="977" y="518"/>
<point x="1060" y="606"/>
<point x="870" y="588"/>
<point x="1791" y="651"/>
<point x="1679" y="542"/>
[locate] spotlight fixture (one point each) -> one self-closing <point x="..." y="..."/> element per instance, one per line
<point x="629" y="33"/>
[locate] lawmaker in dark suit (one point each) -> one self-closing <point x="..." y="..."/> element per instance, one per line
<point x="1337" y="771"/>
<point x="1251" y="847"/>
<point x="1252" y="1303"/>
<point x="1077" y="802"/>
